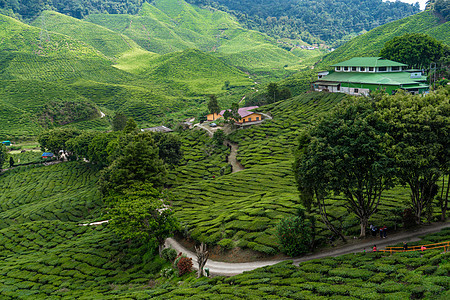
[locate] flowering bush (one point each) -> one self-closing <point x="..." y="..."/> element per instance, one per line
<point x="295" y="235"/>
<point x="184" y="265"/>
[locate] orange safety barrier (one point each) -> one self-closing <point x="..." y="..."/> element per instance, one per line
<point x="445" y="245"/>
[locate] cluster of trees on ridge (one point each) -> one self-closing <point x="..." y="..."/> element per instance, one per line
<point x="366" y="146"/>
<point x="327" y="20"/>
<point x="134" y="167"/>
<point x="30" y="9"/>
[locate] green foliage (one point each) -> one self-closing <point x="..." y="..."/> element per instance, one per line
<point x="61" y="113"/>
<point x="3" y="154"/>
<point x="327" y="20"/>
<point x="346" y="152"/>
<point x="295" y="235"/>
<point x="55" y="140"/>
<point x="213" y="106"/>
<point x="415" y="49"/>
<point x="142" y="213"/>
<point x="184" y="265"/>
<point x="219" y="136"/>
<point x="371" y="43"/>
<point x="169" y="254"/>
<point x="119" y="121"/>
<point x="138" y="162"/>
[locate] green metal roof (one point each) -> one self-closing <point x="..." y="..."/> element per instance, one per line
<point x="397" y="78"/>
<point x="369" y="62"/>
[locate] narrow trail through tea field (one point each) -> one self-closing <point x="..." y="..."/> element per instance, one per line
<point x="235" y="164"/>
<point x="229" y="269"/>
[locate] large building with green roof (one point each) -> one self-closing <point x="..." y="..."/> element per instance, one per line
<point x="360" y="75"/>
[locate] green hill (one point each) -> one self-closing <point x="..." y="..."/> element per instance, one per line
<point x="200" y="72"/>
<point x="170" y="25"/>
<point x="109" y="43"/>
<point x="370" y="43"/>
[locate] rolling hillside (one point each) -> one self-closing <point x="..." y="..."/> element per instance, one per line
<point x="109" y="43"/>
<point x="170" y="25"/>
<point x="371" y="43"/>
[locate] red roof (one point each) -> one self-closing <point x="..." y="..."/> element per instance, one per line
<point x="243" y="111"/>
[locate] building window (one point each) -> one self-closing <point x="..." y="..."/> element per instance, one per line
<point x="355" y="90"/>
<point x="382" y="69"/>
<point x="257" y="118"/>
<point x="354" y="69"/>
<point x="370" y="69"/>
<point x="339" y="87"/>
<point x="395" y="68"/>
<point x="338" y="68"/>
<point x="345" y="68"/>
<point x="249" y="119"/>
<point x="362" y="69"/>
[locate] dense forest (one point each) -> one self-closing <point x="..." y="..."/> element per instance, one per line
<point x="329" y="20"/>
<point x="30" y="9"/>
<point x="312" y="21"/>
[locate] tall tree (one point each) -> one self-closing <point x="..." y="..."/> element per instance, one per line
<point x="213" y="105"/>
<point x="420" y="129"/>
<point x="119" y="121"/>
<point x="139" y="162"/>
<point x="417" y="50"/>
<point x="55" y="140"/>
<point x="142" y="213"/>
<point x="346" y="155"/>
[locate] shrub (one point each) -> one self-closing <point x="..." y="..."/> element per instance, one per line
<point x="226" y="243"/>
<point x="295" y="235"/>
<point x="169" y="254"/>
<point x="167" y="272"/>
<point x="184" y="265"/>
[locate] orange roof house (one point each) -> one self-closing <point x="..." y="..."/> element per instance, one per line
<point x="244" y="112"/>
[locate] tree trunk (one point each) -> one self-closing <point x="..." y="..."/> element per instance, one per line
<point x="160" y="248"/>
<point x="445" y="201"/>
<point x="363" y="229"/>
<point x="323" y="214"/>
<point x="202" y="257"/>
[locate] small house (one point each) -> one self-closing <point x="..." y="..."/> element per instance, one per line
<point x="6" y="143"/>
<point x="213" y="117"/>
<point x="47" y="155"/>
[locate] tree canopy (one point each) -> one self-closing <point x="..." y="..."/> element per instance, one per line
<point x="417" y="50"/>
<point x="213" y="105"/>
<point x="345" y="155"/>
<point x="142" y="213"/>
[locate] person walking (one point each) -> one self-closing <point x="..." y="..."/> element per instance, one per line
<point x="374" y="248"/>
<point x="405" y="246"/>
<point x="384" y="231"/>
<point x="381" y="232"/>
<point x="373" y="229"/>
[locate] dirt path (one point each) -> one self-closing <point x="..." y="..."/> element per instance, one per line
<point x="229" y="269"/>
<point x="210" y="133"/>
<point x="232" y="158"/>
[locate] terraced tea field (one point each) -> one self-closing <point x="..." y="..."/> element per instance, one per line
<point x="202" y="159"/>
<point x="241" y="209"/>
<point x="65" y="192"/>
<point x="46" y="254"/>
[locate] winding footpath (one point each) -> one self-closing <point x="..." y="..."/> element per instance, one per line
<point x="229" y="269"/>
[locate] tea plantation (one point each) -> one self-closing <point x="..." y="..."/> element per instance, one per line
<point x="410" y="275"/>
<point x="46" y="254"/>
<point x="242" y="209"/>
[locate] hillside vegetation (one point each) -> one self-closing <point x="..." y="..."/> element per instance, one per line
<point x="242" y="209"/>
<point x="169" y="25"/>
<point x="371" y="43"/>
<point x="109" y="43"/>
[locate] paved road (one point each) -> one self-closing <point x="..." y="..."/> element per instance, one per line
<point x="229" y="269"/>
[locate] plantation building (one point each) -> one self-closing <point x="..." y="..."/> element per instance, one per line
<point x="360" y="75"/>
